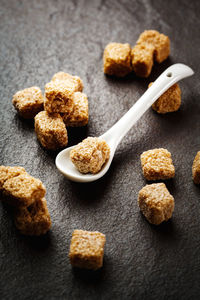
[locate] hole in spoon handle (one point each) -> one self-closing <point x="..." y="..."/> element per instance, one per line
<point x="169" y="74"/>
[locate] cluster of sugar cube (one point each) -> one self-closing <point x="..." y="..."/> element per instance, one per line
<point x="26" y="195"/>
<point x="150" y="46"/>
<point x="120" y="59"/>
<point x="63" y="105"/>
<point x="154" y="200"/>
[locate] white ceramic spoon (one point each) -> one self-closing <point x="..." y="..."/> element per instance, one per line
<point x="115" y="134"/>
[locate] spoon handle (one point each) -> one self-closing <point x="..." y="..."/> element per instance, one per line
<point x="169" y="77"/>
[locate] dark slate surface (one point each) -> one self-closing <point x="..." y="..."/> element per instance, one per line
<point x="39" y="38"/>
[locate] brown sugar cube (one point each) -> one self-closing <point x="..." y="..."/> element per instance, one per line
<point x="87" y="249"/>
<point x="90" y="155"/>
<point x="7" y="172"/>
<point x="170" y="101"/>
<point x="58" y="97"/>
<point x="117" y="59"/>
<point x="156" y="203"/>
<point x="79" y="115"/>
<point x="157" y="164"/>
<point x="51" y="130"/>
<point x="74" y="82"/>
<point x="28" y="102"/>
<point x="196" y="169"/>
<point x="158" y="40"/>
<point x="23" y="190"/>
<point x="142" y="59"/>
<point x="34" y="219"/>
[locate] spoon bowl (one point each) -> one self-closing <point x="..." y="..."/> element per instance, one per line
<point x="63" y="163"/>
<point x="115" y="134"/>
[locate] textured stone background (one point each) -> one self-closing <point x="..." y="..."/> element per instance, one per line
<point x="39" y="38"/>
